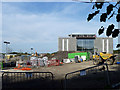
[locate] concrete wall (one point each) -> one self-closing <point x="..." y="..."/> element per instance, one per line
<point x="98" y="45"/>
<point x="67" y="44"/>
<point x="104" y="44"/>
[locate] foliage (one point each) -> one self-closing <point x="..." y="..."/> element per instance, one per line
<point x="14" y="53"/>
<point x="116" y="51"/>
<point x="48" y="55"/>
<point x="110" y="12"/>
<point x="19" y="54"/>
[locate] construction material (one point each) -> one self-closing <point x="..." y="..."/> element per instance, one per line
<point x="41" y="62"/>
<point x="17" y="62"/>
<point x="76" y="59"/>
<point x="25" y="68"/>
<point x="34" y="61"/>
<point x="66" y="60"/>
<point x="53" y="63"/>
<point x="117" y="62"/>
<point x="22" y="68"/>
<point x="18" y="66"/>
<point x="81" y="59"/>
<point x="45" y="59"/>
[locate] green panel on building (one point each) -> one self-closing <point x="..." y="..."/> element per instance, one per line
<point x="72" y="55"/>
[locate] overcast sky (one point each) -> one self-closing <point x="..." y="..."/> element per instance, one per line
<point x="39" y="24"/>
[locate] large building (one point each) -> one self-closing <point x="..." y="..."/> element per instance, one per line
<point x="85" y="42"/>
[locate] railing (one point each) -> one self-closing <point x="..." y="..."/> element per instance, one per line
<point x="87" y="75"/>
<point x="27" y="80"/>
<point x="83" y="79"/>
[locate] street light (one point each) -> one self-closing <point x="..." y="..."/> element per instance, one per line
<point x="6" y="42"/>
<point x="31" y="51"/>
<point x="6" y="48"/>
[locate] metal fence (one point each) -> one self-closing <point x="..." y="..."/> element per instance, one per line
<point x="27" y="80"/>
<point x="92" y="77"/>
<point x="115" y="76"/>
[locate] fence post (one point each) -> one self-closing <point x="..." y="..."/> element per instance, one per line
<point x="2" y="80"/>
<point x="52" y="79"/>
<point x="108" y="78"/>
<point x="65" y="87"/>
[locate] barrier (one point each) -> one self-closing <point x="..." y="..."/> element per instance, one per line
<point x="85" y="78"/>
<point x="53" y="63"/>
<point x="27" y="80"/>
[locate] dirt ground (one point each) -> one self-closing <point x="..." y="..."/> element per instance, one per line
<point x="60" y="71"/>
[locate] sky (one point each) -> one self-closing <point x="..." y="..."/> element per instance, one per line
<point x="38" y="25"/>
<point x="59" y="0"/>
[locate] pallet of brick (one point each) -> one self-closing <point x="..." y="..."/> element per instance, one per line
<point x="41" y="62"/>
<point x="34" y="61"/>
<point x="45" y="60"/>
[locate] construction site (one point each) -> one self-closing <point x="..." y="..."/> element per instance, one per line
<point x="81" y="68"/>
<point x="60" y="44"/>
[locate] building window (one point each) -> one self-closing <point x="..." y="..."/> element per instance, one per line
<point x="85" y="45"/>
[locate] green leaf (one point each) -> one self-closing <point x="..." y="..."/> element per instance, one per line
<point x="99" y="5"/>
<point x="118" y="45"/>
<point x="118" y="18"/>
<point x="90" y="16"/>
<point x="103" y="17"/>
<point x="115" y="33"/>
<point x="109" y="9"/>
<point x="109" y="30"/>
<point x="101" y="30"/>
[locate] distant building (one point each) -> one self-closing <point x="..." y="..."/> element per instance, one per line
<point x="85" y="42"/>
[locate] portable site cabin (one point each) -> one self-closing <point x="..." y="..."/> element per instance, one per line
<point x="8" y="56"/>
<point x="83" y="55"/>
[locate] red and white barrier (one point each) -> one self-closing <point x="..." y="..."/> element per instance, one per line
<point x="53" y="62"/>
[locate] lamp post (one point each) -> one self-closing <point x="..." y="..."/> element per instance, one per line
<point x="31" y="51"/>
<point x="6" y="48"/>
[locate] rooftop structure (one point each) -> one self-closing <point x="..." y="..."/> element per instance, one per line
<point x="82" y="36"/>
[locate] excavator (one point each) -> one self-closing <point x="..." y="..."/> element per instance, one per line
<point x="103" y="57"/>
